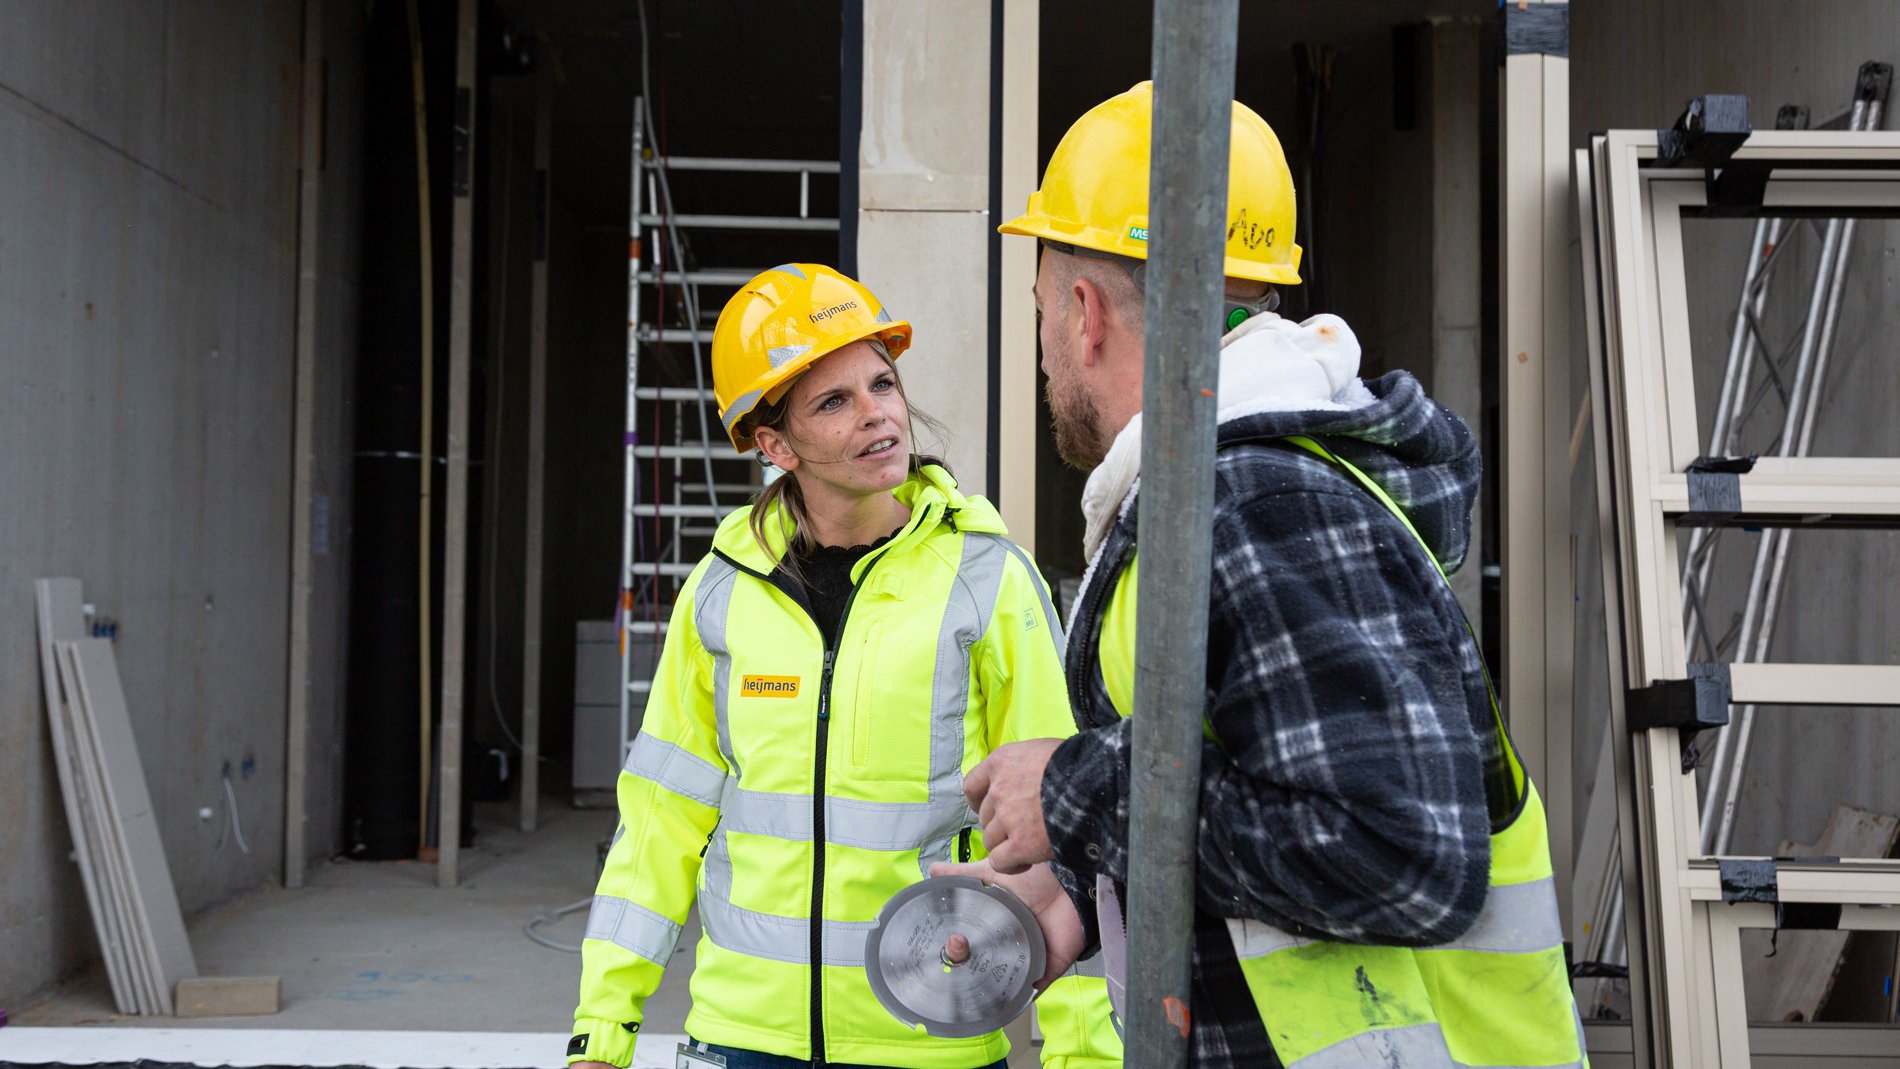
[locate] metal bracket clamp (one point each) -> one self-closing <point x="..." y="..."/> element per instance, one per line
<point x="1791" y="117"/>
<point x="1873" y="81"/>
<point x="1693" y="704"/>
<point x="1715" y="490"/>
<point x="1759" y="880"/>
<point x="1706" y="135"/>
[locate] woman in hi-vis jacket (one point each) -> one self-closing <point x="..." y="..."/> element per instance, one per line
<point x="859" y="636"/>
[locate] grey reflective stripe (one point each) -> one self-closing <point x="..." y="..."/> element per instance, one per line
<point x="785" y="354"/>
<point x="683" y="773"/>
<point x="790" y="269"/>
<point x="1518" y="918"/>
<point x="893" y="825"/>
<point x="848" y="821"/>
<point x="619" y="830"/>
<point x="782" y="816"/>
<point x="1417" y="1046"/>
<point x="966" y="613"/>
<point x="740" y="405"/>
<point x="935" y="851"/>
<point x="1257" y="939"/>
<point x="1095" y="966"/>
<point x="712" y="604"/>
<point x="787" y="939"/>
<point x="632" y="927"/>
<point x="844" y="942"/>
<point x="1049" y="616"/>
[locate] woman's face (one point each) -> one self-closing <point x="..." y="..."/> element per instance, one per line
<point x="846" y="428"/>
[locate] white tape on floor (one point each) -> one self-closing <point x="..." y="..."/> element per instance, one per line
<point x="267" y="1046"/>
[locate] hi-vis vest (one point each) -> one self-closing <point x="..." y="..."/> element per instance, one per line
<point x="790" y="788"/>
<point x="1497" y="996"/>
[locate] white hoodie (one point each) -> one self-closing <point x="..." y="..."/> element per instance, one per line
<point x="1267" y="364"/>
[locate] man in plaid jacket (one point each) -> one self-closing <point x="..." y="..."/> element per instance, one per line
<point x="1343" y="793"/>
<point x="1373" y="883"/>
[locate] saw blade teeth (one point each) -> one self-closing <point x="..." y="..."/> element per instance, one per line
<point x="904" y="957"/>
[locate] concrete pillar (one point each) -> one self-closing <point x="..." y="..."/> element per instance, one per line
<point x="923" y="223"/>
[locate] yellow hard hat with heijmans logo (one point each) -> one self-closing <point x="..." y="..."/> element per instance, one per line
<point x="781" y="323"/>
<point x="1094" y="195"/>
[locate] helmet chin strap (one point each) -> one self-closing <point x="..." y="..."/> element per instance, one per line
<point x="1234" y="311"/>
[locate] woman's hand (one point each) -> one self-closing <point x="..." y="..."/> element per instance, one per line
<point x="1039" y="889"/>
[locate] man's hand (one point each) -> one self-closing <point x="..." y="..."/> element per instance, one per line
<point x="1040" y="890"/>
<point x="1005" y="789"/>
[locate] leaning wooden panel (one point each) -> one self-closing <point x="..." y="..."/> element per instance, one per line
<point x="131" y="807"/>
<point x="61" y="615"/>
<point x="109" y="857"/>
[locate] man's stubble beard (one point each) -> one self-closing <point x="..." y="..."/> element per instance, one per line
<point x="1078" y="426"/>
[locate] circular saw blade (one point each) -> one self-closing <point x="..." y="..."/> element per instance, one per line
<point x="904" y="956"/>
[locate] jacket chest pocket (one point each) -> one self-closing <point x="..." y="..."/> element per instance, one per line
<point x="893" y="712"/>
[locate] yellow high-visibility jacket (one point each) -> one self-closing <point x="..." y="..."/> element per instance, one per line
<point x="790" y="788"/>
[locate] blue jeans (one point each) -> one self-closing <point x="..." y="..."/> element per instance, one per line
<point x="752" y="1059"/>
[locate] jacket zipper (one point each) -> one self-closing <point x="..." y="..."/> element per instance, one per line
<point x="821" y="748"/>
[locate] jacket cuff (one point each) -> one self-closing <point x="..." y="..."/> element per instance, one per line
<point x="1081" y="894"/>
<point x="1084" y="808"/>
<point x="599" y="1040"/>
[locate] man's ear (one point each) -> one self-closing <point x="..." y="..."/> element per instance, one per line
<point x="776" y="448"/>
<point x="1092" y="321"/>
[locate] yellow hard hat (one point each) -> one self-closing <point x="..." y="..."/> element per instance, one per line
<point x="780" y="324"/>
<point x="1095" y="193"/>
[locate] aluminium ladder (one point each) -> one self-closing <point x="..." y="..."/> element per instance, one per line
<point x="681" y="475"/>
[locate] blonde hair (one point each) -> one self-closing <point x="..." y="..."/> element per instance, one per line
<point x="784" y="498"/>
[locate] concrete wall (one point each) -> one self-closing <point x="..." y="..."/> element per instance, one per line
<point x="148" y="154"/>
<point x="1633" y="64"/>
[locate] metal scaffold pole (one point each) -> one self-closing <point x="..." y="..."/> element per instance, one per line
<point x="1194" y="89"/>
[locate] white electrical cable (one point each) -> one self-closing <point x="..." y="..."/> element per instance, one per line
<point x="549" y="918"/>
<point x="237" y="830"/>
<point x="494" y="438"/>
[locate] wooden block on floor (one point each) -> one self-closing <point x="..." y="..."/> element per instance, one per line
<point x="227" y="996"/>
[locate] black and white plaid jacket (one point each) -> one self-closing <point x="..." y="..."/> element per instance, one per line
<point x="1344" y="796"/>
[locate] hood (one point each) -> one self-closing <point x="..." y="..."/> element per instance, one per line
<point x="1419" y="452"/>
<point x="1278" y="378"/>
<point x="930" y="492"/>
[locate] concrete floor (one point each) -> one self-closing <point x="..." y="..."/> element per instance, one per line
<point x="377" y="946"/>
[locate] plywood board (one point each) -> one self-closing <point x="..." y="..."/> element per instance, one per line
<point x="141" y="965"/>
<point x="61" y="613"/>
<point x="227" y="996"/>
<point x="1792" y="985"/>
<point x="130" y="803"/>
<point x="108" y="851"/>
